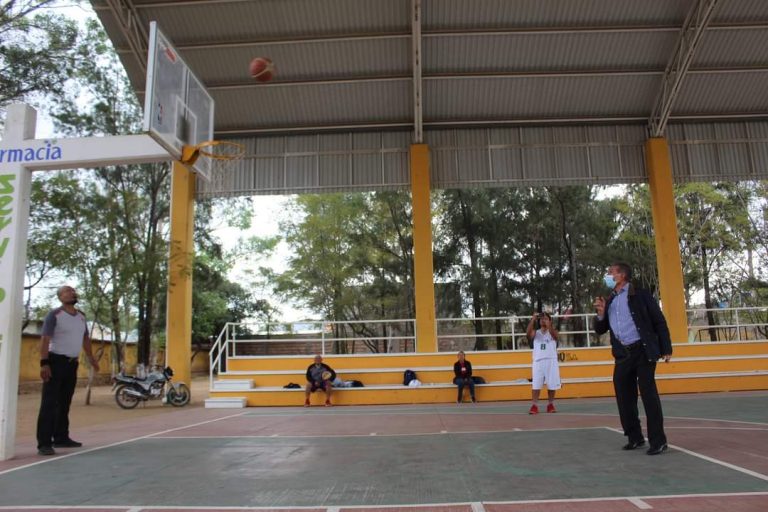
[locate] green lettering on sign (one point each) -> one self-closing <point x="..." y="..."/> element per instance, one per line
<point x="4" y="202"/>
<point x="6" y="187"/>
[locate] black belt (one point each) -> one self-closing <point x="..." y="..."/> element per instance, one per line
<point x="633" y="346"/>
<point x="53" y="355"/>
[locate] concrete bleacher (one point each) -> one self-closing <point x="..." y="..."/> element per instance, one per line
<point x="586" y="372"/>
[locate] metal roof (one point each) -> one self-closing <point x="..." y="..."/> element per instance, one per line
<point x="349" y="66"/>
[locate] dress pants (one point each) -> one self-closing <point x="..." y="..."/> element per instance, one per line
<point x="53" y="419"/>
<point x="630" y="373"/>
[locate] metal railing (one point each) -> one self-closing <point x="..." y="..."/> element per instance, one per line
<point x="312" y="337"/>
<point x="489" y="333"/>
<point x="731" y="324"/>
<point x="509" y="332"/>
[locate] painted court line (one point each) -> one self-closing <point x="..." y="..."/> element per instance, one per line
<point x="722" y="463"/>
<point x="632" y="499"/>
<point x="118" y="443"/>
<point x="639" y="503"/>
<point x="468" y="412"/>
<point x="716" y="420"/>
<point x="478" y="507"/>
<point x="754" y="429"/>
<point x="404" y="434"/>
<point x="710" y="459"/>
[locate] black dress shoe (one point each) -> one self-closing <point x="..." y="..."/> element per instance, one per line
<point x="658" y="450"/>
<point x="633" y="444"/>
<point x="67" y="443"/>
<point x="46" y="450"/>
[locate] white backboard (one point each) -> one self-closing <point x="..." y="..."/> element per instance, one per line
<point x="178" y="110"/>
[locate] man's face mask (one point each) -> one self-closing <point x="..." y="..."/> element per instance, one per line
<point x="610" y="282"/>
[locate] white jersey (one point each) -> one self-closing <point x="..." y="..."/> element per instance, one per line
<point x="544" y="346"/>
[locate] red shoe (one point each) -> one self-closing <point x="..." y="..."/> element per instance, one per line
<point x="534" y="409"/>
<point x="306" y="402"/>
<point x="551" y="408"/>
<point x="328" y="403"/>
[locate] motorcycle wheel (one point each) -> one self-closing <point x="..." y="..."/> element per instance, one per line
<point x="178" y="396"/>
<point x="125" y="400"/>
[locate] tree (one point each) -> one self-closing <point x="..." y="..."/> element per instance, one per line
<point x="215" y="299"/>
<point x="35" y="50"/>
<point x="352" y="259"/>
<point x="126" y="254"/>
<point x="58" y="199"/>
<point x="713" y="224"/>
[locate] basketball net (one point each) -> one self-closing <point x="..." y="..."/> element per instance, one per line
<point x="221" y="156"/>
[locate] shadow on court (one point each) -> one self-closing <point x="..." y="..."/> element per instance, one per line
<point x="485" y="457"/>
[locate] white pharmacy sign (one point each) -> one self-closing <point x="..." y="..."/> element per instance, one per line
<point x="20" y="154"/>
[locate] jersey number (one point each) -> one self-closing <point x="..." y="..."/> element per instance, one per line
<point x="543" y="346"/>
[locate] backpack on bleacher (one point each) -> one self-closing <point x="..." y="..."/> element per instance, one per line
<point x="408" y="376"/>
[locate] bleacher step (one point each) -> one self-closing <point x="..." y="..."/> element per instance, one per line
<point x="506" y="391"/>
<point x="233" y="385"/>
<point x="230" y="402"/>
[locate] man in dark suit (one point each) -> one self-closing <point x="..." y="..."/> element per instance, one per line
<point x="639" y="338"/>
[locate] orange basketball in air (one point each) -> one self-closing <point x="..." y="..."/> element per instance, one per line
<point x="262" y="69"/>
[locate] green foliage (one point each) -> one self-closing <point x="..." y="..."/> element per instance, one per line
<point x="35" y="51"/>
<point x="107" y="228"/>
<point x="519" y="249"/>
<point x="352" y="257"/>
<point x="713" y="221"/>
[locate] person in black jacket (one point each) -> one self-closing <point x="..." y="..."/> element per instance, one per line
<point x="463" y="371"/>
<point x="639" y="338"/>
<point x="319" y="376"/>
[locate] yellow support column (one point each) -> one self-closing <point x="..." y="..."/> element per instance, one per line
<point x="424" y="286"/>
<point x="668" y="261"/>
<point x="178" y="345"/>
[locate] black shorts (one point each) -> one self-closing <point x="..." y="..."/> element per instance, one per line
<point x="319" y="385"/>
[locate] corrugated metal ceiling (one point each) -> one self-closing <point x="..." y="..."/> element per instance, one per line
<point x="524" y="56"/>
<point x="346" y="65"/>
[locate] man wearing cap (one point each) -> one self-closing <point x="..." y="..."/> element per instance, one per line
<point x="319" y="376"/>
<point x="64" y="334"/>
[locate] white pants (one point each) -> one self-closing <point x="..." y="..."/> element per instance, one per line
<point x="546" y="371"/>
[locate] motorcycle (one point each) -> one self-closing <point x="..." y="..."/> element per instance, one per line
<point x="129" y="390"/>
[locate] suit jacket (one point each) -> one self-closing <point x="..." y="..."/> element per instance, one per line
<point x="649" y="320"/>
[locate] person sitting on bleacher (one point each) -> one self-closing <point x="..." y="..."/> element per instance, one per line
<point x="462" y="370"/>
<point x="319" y="376"/>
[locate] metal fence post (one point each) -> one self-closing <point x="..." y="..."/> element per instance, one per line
<point x="738" y="326"/>
<point x="513" y="320"/>
<point x="322" y="338"/>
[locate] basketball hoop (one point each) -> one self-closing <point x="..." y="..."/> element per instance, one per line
<point x="213" y="159"/>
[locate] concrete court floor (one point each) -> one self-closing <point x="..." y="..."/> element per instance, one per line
<point x="492" y="456"/>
